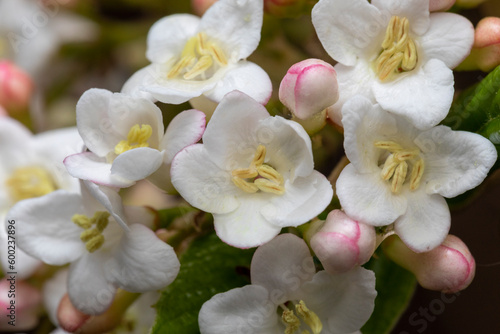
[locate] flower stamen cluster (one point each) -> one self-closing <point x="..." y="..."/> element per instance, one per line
<point x="138" y="136"/>
<point x="29" y="182"/>
<point x="399" y="52"/>
<point x="292" y="322"/>
<point x="92" y="237"/>
<point x="197" y="57"/>
<point x="264" y="177"/>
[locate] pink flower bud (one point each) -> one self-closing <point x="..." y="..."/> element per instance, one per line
<point x="449" y="267"/>
<point x="201" y="6"/>
<point x="24" y="311"/>
<point x="309" y="87"/>
<point x="15" y="87"/>
<point x="440" y="5"/>
<point x="342" y="243"/>
<point x="285" y="8"/>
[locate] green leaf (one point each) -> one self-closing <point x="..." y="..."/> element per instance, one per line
<point x="395" y="287"/>
<point x="208" y="267"/>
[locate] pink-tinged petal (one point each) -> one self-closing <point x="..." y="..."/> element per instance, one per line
<point x="245" y="226"/>
<point x="344" y="302"/>
<point x="202" y="183"/>
<point x="142" y="262"/>
<point x="348" y="28"/>
<point x="449" y="38"/>
<point x="425" y="223"/>
<point x="245" y="77"/>
<point x="487" y="32"/>
<point x="235" y="25"/>
<point x="282" y="266"/>
<point x="137" y="164"/>
<point x="455" y="161"/>
<point x="440" y="5"/>
<point x="167" y="37"/>
<point x="185" y="129"/>
<point x="423" y="95"/>
<point x="88" y="166"/>
<point x="417" y="12"/>
<point x="242" y="310"/>
<point x="69" y="318"/>
<point x="44" y="227"/>
<point x="368" y="198"/>
<point x="303" y="200"/>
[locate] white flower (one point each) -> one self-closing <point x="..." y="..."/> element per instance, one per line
<point x="192" y="56"/>
<point x="63" y="227"/>
<point x="400" y="174"/>
<point x="126" y="139"/>
<point x="394" y="52"/>
<point x="254" y="172"/>
<point x="285" y="285"/>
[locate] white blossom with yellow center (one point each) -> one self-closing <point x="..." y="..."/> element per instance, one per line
<point x="287" y="296"/>
<point x="395" y="53"/>
<point x="399" y="174"/>
<point x="192" y="57"/>
<point x="253" y="172"/>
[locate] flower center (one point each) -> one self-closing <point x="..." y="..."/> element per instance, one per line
<point x="259" y="176"/>
<point x="399" y="52"/>
<point x="92" y="236"/>
<point x="29" y="182"/>
<point x="137" y="137"/>
<point x="198" y="56"/>
<point x="396" y="165"/>
<point x="292" y="322"/>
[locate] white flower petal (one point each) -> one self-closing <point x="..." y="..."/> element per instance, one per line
<point x="14" y="143"/>
<point x="303" y="199"/>
<point x="426" y="221"/>
<point x="449" y="38"/>
<point x="201" y="182"/>
<point x="167" y="37"/>
<point x="367" y="198"/>
<point x="44" y="227"/>
<point x="108" y="198"/>
<point x="347" y="28"/>
<point x="344" y="302"/>
<point x="185" y="129"/>
<point x="417" y="12"/>
<point x="142" y="262"/>
<point x="245" y="227"/>
<point x="235" y="24"/>
<point x="241" y="310"/>
<point x="137" y="164"/>
<point x="143" y="77"/>
<point x="455" y="161"/>
<point x="423" y="95"/>
<point x="247" y="78"/>
<point x="282" y="266"/>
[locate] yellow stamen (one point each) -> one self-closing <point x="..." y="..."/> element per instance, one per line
<point x="291" y="321"/>
<point x="389" y="168"/>
<point x="217" y="54"/>
<point x="245" y="173"/>
<point x="82" y="221"/>
<point x="245" y="185"/>
<point x="29" y="182"/>
<point x="95" y="243"/>
<point x="92" y="237"/>
<point x="309" y="317"/>
<point x="138" y="136"/>
<point x="270" y="173"/>
<point x="405" y="155"/>
<point x="399" y="177"/>
<point x="89" y="234"/>
<point x="416" y="174"/>
<point x="269" y="186"/>
<point x="388" y="145"/>
<point x="260" y="155"/>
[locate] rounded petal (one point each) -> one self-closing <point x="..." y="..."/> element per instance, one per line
<point x="142" y="262"/>
<point x="303" y="200"/>
<point x="241" y="310"/>
<point x="167" y="37"/>
<point x="44" y="227"/>
<point x="455" y="161"/>
<point x="245" y="77"/>
<point x="245" y="227"/>
<point x="449" y="38"/>
<point x="108" y="198"/>
<point x="137" y="164"/>
<point x="135" y="84"/>
<point x="282" y="266"/>
<point x="185" y="129"/>
<point x="235" y="24"/>
<point x="367" y="198"/>
<point x="347" y="28"/>
<point x="423" y="95"/>
<point x="417" y="12"/>
<point x="426" y="221"/>
<point x="201" y="182"/>
<point x="344" y="302"/>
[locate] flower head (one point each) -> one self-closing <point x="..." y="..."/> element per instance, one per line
<point x="254" y="172"/>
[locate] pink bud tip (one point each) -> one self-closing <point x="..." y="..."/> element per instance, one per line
<point x="342" y="243"/>
<point x="487" y="32"/>
<point x="440" y="5"/>
<point x="16" y="87"/>
<point x="309" y="87"/>
<point x="70" y="319"/>
<point x="201" y="6"/>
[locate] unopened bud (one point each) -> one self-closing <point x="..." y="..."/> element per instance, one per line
<point x="16" y="87"/>
<point x="440" y="5"/>
<point x="201" y="6"/>
<point x="342" y="243"/>
<point x="449" y="267"/>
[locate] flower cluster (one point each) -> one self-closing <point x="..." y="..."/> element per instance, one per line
<point x="106" y="214"/>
